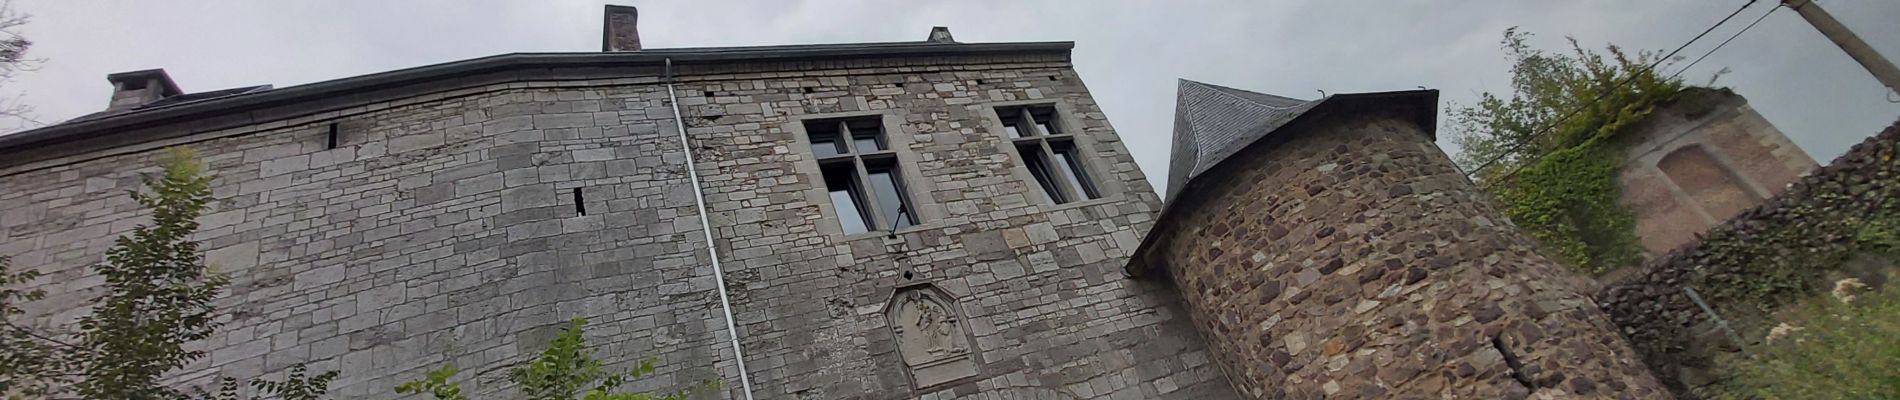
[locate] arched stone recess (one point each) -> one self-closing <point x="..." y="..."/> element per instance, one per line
<point x="1709" y="183"/>
<point x="932" y="336"/>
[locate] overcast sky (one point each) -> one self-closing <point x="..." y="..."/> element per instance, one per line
<point x="1129" y="53"/>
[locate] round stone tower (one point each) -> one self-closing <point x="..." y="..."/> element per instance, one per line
<point x="1329" y="248"/>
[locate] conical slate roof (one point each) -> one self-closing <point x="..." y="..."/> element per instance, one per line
<point x="1212" y="122"/>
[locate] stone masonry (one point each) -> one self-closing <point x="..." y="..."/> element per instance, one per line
<point x="1346" y="257"/>
<point x="1699" y="160"/>
<point x="442" y="229"/>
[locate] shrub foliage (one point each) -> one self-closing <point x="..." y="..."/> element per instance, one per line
<point x="1547" y="150"/>
<point x="157" y="297"/>
<point x="565" y="371"/>
<point x="1841" y="351"/>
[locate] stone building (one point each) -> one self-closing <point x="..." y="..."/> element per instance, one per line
<point x="1699" y="160"/>
<point x="1329" y="249"/>
<point x="926" y="219"/>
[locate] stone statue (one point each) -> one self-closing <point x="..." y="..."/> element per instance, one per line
<point x="931" y="338"/>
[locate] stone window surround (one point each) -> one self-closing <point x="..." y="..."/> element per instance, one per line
<point x="899" y="138"/>
<point x="1653" y="163"/>
<point x="1089" y="152"/>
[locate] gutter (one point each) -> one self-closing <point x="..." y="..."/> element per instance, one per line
<point x="353" y="88"/>
<point x="705" y="226"/>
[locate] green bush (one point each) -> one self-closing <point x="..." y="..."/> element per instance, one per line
<point x="156" y="301"/>
<point x="1841" y="351"/>
<point x="565" y="371"/>
<point x="1547" y="149"/>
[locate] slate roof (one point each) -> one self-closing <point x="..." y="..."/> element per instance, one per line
<point x="172" y="101"/>
<point x="1213" y="123"/>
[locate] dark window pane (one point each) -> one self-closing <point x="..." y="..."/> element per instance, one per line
<point x="825" y="146"/>
<point x="847" y="200"/>
<point x="1045" y="120"/>
<point x="867" y="125"/>
<point x="1025" y="125"/>
<point x="1039" y="168"/>
<point x="867" y="143"/>
<point x="1077" y="177"/>
<point x="890" y="197"/>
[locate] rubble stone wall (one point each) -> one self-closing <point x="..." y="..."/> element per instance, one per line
<point x="1766" y="256"/>
<point x="1346" y="257"/>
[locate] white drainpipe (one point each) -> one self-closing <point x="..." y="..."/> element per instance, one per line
<point x="705" y="226"/>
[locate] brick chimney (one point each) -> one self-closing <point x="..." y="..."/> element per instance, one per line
<point x="137" y="88"/>
<point x="622" y="29"/>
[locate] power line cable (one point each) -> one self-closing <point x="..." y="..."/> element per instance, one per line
<point x="1599" y="97"/>
<point x="1731" y="38"/>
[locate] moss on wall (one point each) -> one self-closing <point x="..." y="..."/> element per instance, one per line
<point x="1778" y="252"/>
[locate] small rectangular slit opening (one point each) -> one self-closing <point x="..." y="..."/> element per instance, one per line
<point x="333" y="136"/>
<point x="580" y="204"/>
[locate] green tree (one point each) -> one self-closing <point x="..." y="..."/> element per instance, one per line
<point x="297" y="385"/>
<point x="1547" y="151"/>
<point x="157" y="298"/>
<point x="565" y="371"/>
<point x="158" y="291"/>
<point x="31" y="362"/>
<point x="15" y="114"/>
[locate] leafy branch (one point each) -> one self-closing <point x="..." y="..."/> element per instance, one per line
<point x="564" y="371"/>
<point x="1554" y="161"/>
<point x="158" y="297"/>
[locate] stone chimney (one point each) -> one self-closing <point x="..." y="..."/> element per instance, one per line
<point x="940" y="34"/>
<point x="622" y="29"/>
<point x="137" y="88"/>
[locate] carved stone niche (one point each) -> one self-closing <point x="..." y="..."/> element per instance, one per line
<point x="932" y="336"/>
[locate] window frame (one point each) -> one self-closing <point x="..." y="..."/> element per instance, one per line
<point x="1089" y="185"/>
<point x="912" y="189"/>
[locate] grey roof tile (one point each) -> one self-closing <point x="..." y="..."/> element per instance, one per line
<point x="1212" y="122"/>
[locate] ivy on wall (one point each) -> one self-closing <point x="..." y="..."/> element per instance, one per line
<point x="1761" y="260"/>
<point x="1548" y="151"/>
<point x="1569" y="202"/>
<point x="1783" y="250"/>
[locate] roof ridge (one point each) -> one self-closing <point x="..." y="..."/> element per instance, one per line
<point x="1229" y="91"/>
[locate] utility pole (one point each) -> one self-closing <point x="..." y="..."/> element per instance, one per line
<point x="1882" y="69"/>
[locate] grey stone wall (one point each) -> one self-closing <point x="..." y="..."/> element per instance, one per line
<point x="443" y="230"/>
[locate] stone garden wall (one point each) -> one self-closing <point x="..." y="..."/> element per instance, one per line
<point x="1764" y="257"/>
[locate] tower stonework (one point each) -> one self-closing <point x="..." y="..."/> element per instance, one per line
<point x="1328" y="248"/>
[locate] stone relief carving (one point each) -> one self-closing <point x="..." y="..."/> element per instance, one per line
<point x="931" y="336"/>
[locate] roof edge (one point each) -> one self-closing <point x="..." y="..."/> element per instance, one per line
<point x="505" y="62"/>
<point x="1419" y="106"/>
